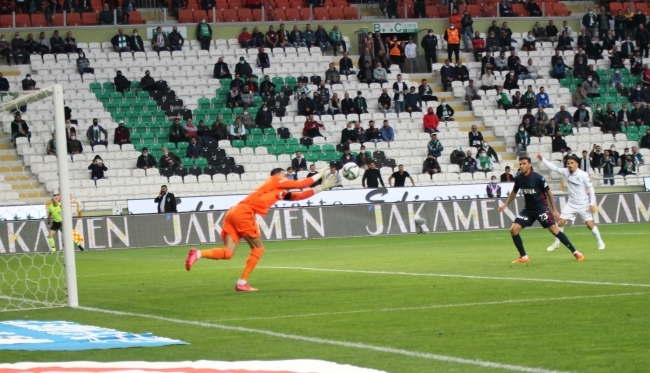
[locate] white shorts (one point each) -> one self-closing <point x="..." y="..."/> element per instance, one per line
<point x="569" y="213"/>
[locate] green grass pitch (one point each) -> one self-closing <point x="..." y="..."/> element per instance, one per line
<point x="389" y="292"/>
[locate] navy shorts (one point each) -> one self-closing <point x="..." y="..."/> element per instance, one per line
<point x="526" y="218"/>
<point x="56" y="226"/>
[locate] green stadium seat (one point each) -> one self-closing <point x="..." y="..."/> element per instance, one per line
<point x="256" y="132"/>
<point x="252" y="143"/>
<point x="315" y="148"/>
<point x="166" y="144"/>
<point x="274" y="151"/>
<point x="204" y="103"/>
<point x="238" y="144"/>
<point x="291" y="81"/>
<point x="328" y="148"/>
<point x="130" y="95"/>
<point x="142" y="94"/>
<point x="135" y="84"/>
<point x="109" y="87"/>
<point x="312" y="157"/>
<point x="293" y="141"/>
<point x="633" y="129"/>
<point x="200" y="162"/>
<point x="94" y="86"/>
<point x="267" y="142"/>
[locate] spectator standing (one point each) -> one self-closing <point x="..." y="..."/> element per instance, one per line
<point x="590" y="23"/>
<point x="429" y="44"/>
<point x="204" y="34"/>
<point x="166" y="201"/>
<point x="94" y="134"/>
<point x="97" y="168"/>
<point x="400" y="177"/>
<point x="372" y="177"/>
<point x="399" y="89"/>
<point x="466" y="30"/>
<point x="411" y="54"/>
<point x="145" y="160"/>
<point x="452" y="37"/>
<point x="122" y="135"/>
<point x="431" y="122"/>
<point x="608" y="163"/>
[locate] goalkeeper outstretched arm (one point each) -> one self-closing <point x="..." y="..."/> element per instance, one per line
<point x="328" y="182"/>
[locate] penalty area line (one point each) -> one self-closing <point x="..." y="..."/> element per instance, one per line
<point x="457" y="276"/>
<point x="357" y="345"/>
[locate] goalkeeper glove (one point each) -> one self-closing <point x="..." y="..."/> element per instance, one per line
<point x="328" y="182"/>
<point x="321" y="174"/>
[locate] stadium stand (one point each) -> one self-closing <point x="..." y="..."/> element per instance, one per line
<point x="188" y="90"/>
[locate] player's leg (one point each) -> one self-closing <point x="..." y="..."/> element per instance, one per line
<point x="594" y="230"/>
<point x="218" y="253"/>
<point x="519" y="244"/>
<point x="50" y="240"/>
<point x="588" y="217"/>
<point x="564" y="239"/>
<point x="560" y="226"/>
<point x="257" y="250"/>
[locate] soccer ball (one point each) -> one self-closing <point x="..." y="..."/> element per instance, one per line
<point x="350" y="171"/>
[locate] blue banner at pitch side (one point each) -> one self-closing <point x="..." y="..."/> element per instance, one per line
<point x="70" y="336"/>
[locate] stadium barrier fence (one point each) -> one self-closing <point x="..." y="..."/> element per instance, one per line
<point x="300" y="223"/>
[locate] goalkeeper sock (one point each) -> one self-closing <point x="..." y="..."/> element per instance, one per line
<point x="565" y="240"/>
<point x="216" y="254"/>
<point x="251" y="262"/>
<point x="51" y="241"/>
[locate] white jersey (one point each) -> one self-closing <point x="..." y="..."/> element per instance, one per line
<point x="581" y="189"/>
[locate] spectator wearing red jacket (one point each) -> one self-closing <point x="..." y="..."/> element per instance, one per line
<point x="311" y="128"/>
<point x="455" y="18"/>
<point x="478" y="43"/>
<point x="246" y="39"/>
<point x="431" y="121"/>
<point x="122" y="135"/>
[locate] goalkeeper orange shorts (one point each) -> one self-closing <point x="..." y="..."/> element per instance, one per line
<point x="240" y="222"/>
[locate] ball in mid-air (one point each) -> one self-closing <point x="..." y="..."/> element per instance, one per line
<point x="350" y="171"/>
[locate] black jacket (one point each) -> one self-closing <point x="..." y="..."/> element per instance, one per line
<point x="264" y="118"/>
<point x="97" y="170"/>
<point x="384" y="99"/>
<point x="345" y="64"/>
<point x="299" y="164"/>
<point x="217" y="69"/>
<point x="133" y="40"/>
<point x="347" y="105"/>
<point x="439" y="111"/>
<point x="4" y="84"/>
<point x="169" y="203"/>
<point x="149" y="162"/>
<point x="243" y="69"/>
<point x="429" y="44"/>
<point x="175" y="39"/>
<point x="372" y="178"/>
<point x="121" y="83"/>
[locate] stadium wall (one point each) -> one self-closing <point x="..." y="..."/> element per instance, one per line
<point x="88" y="34"/>
<point x="300" y="223"/>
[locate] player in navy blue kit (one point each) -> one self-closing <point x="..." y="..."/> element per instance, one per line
<point x="537" y="197"/>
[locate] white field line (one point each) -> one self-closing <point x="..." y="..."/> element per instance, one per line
<point x="357" y="345"/>
<point x="457" y="276"/>
<point x="511" y="301"/>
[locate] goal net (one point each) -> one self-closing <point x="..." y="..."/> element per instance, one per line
<point x="31" y="276"/>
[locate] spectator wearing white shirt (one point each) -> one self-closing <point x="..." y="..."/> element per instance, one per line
<point x="488" y="80"/>
<point x="411" y="53"/>
<point x="237" y="131"/>
<point x="379" y="74"/>
<point x="532" y="69"/>
<point x="399" y="88"/>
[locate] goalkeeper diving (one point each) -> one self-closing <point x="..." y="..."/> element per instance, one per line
<point x="239" y="222"/>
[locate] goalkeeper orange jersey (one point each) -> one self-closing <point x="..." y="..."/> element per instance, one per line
<point x="271" y="191"/>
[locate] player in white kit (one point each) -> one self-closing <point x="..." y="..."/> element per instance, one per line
<point x="582" y="198"/>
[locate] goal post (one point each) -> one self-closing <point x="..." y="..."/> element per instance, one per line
<point x="56" y="92"/>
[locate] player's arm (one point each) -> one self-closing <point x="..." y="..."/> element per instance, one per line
<point x="512" y="196"/>
<point x="592" y="193"/>
<point x="304" y="183"/>
<point x="548" y="164"/>
<point x="327" y="183"/>
<point x="412" y="182"/>
<point x="390" y="181"/>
